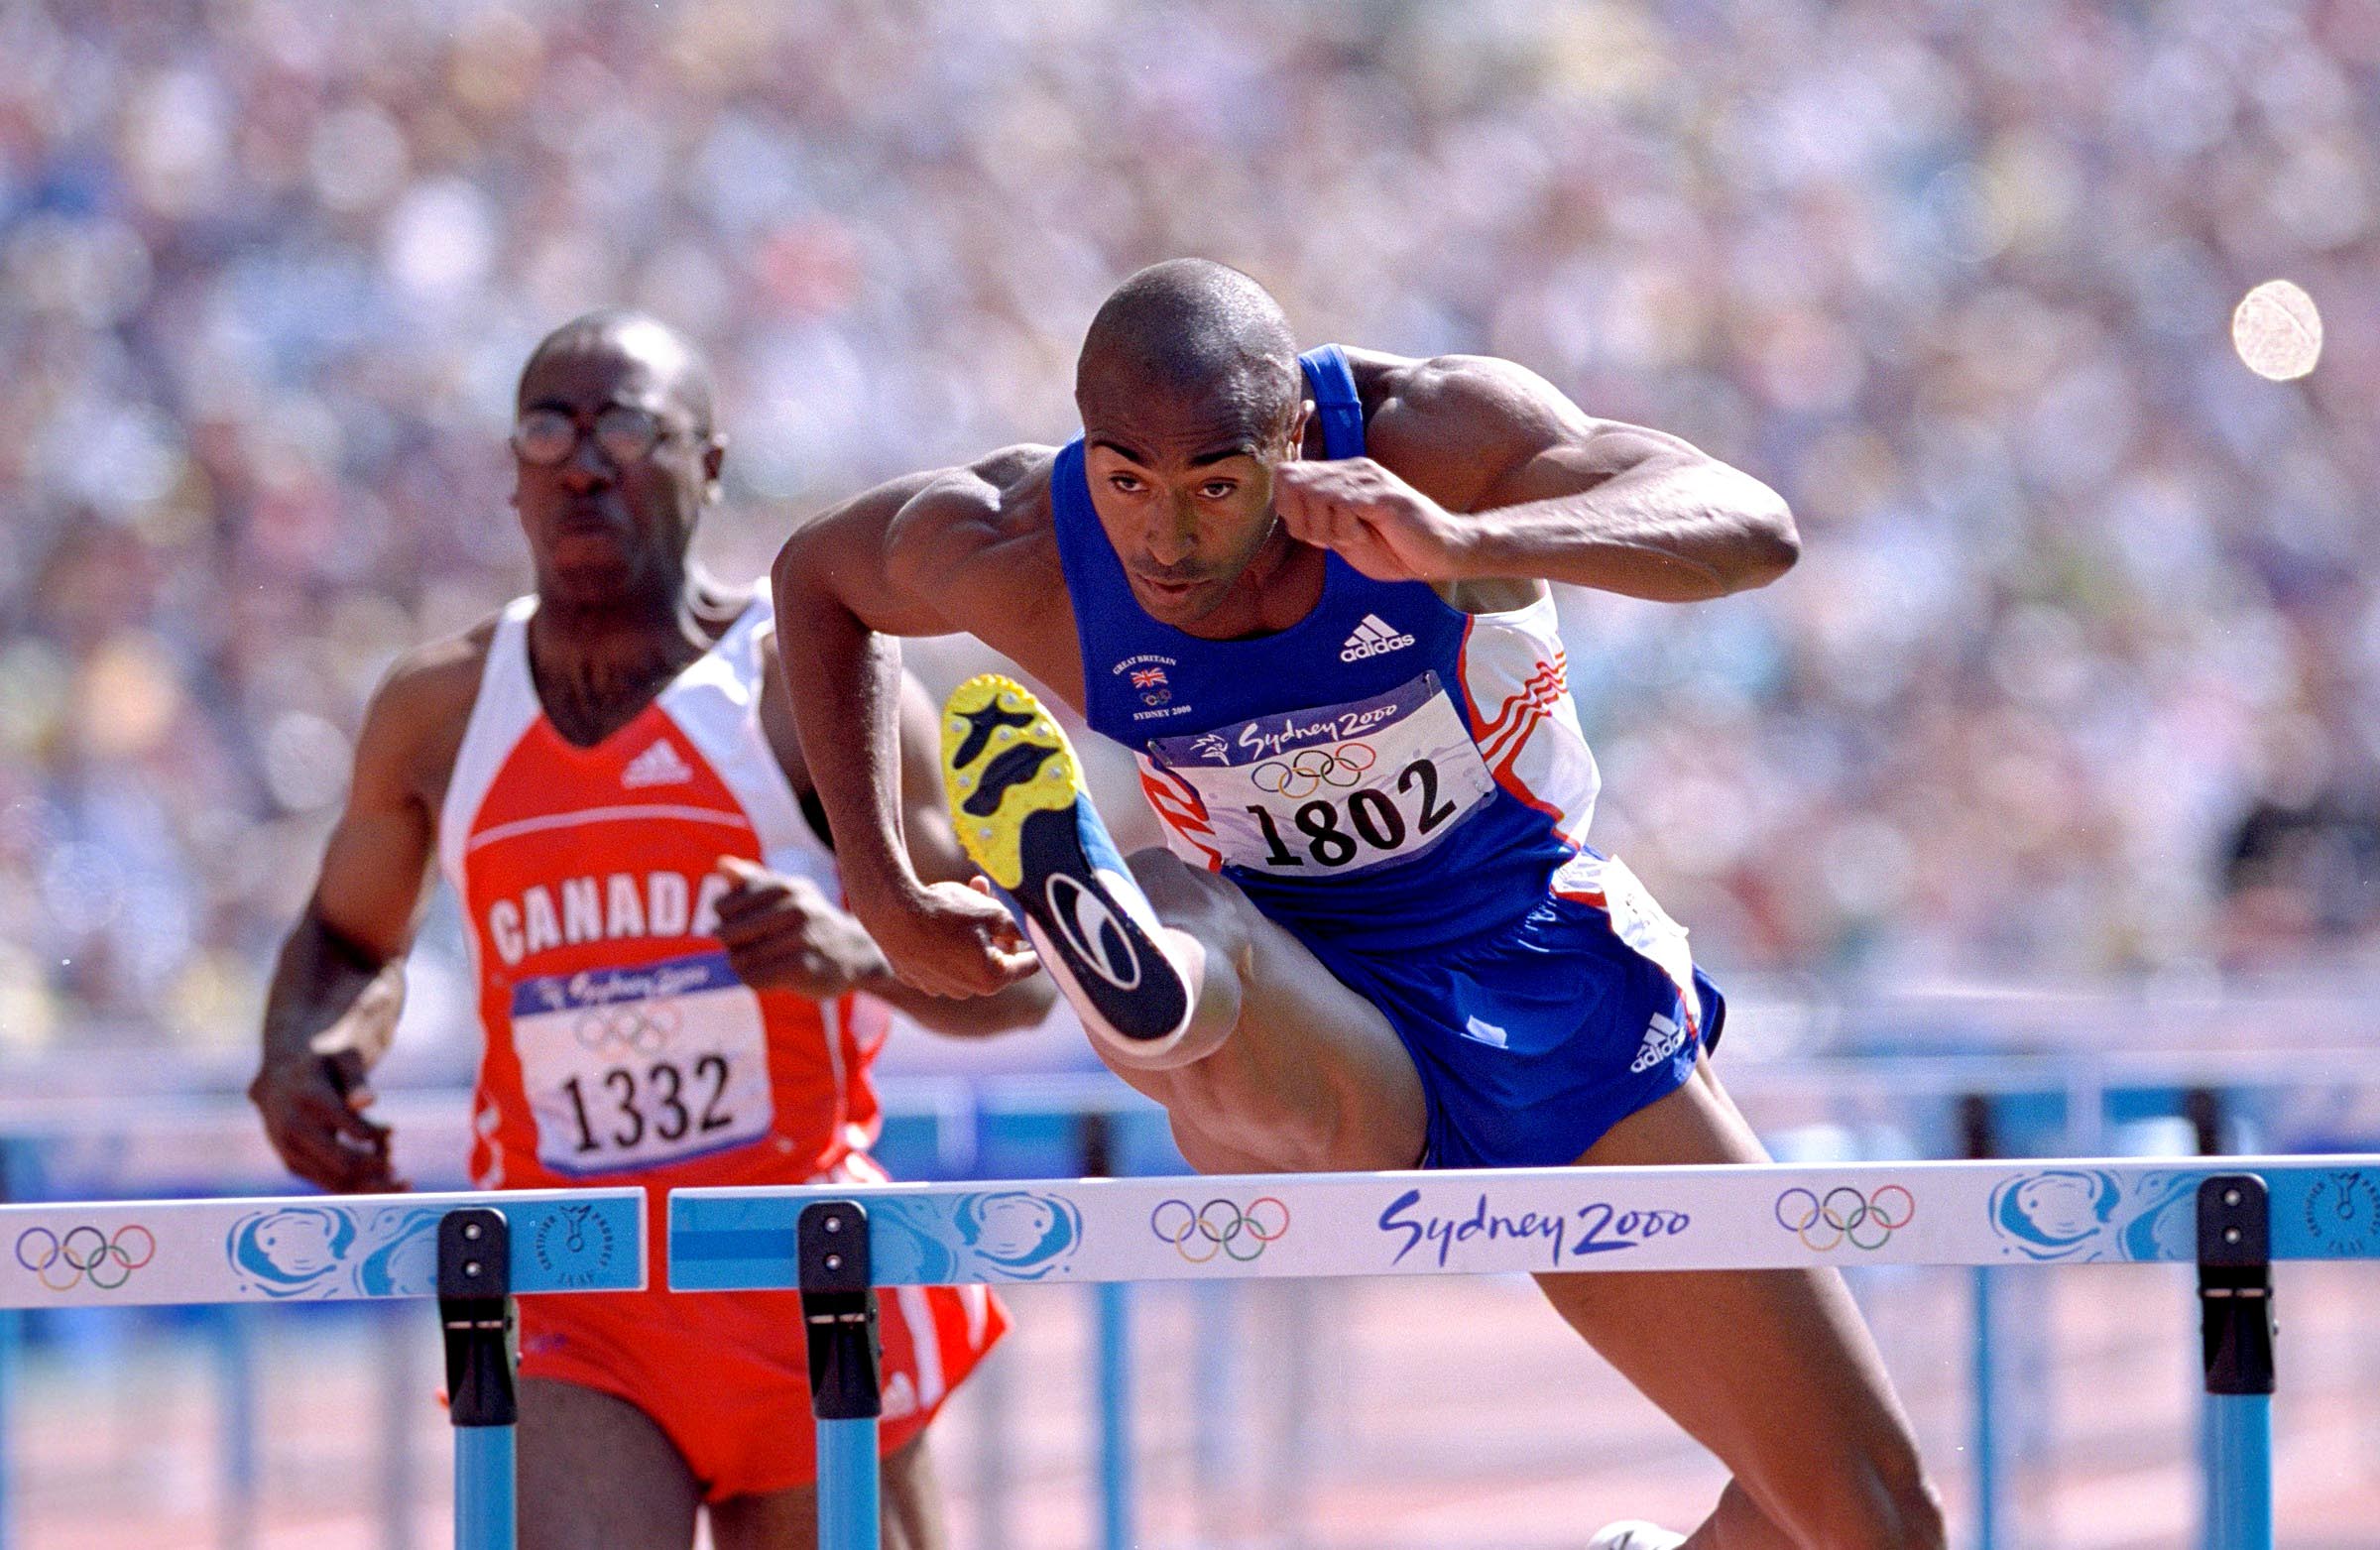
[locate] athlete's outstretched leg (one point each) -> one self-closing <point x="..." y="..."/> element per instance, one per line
<point x="1263" y="1060"/>
<point x="1310" y="1077"/>
<point x="1773" y="1371"/>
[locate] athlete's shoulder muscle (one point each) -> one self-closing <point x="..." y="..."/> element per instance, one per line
<point x="414" y="723"/>
<point x="982" y="522"/>
<point x="1455" y="426"/>
<point x="379" y="850"/>
<point x="1476" y="432"/>
<point x="968" y="549"/>
<point x="888" y="554"/>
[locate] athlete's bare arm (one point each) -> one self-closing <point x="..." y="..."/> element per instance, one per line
<point x="958" y="549"/>
<point x="339" y="982"/>
<point x="782" y="932"/>
<point x="1481" y="471"/>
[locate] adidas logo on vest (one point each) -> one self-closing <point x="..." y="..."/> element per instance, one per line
<point x="660" y="764"/>
<point x="1374" y="637"/>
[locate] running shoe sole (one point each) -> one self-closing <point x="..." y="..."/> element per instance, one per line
<point x="1017" y="797"/>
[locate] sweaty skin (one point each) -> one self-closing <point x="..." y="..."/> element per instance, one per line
<point x="1484" y="481"/>
<point x="621" y="612"/>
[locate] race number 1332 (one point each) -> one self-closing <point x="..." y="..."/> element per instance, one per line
<point x="632" y="1067"/>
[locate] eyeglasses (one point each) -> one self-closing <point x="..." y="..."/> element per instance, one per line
<point x="549" y="437"/>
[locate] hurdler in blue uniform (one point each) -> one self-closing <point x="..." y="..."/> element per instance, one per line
<point x="1310" y="595"/>
<point x="1403" y="785"/>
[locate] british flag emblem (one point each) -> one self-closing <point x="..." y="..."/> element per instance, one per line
<point x="1148" y="678"/>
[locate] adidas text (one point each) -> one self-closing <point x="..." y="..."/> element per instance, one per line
<point x="1374" y="637"/>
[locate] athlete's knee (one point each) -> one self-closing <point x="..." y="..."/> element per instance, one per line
<point x="1171" y="883"/>
<point x="1191" y="898"/>
<point x="1212" y="912"/>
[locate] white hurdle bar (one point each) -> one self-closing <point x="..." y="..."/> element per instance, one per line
<point x="471" y="1252"/>
<point x="835" y="1242"/>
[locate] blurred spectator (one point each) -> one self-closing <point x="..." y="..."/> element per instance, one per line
<point x="2080" y="591"/>
<point x="2299" y="879"/>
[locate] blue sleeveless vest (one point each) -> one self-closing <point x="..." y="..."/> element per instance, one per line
<point x="1388" y="767"/>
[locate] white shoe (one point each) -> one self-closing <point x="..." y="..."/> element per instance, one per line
<point x="1634" y="1535"/>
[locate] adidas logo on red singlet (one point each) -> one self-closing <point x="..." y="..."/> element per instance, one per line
<point x="660" y="764"/>
<point x="1374" y="637"/>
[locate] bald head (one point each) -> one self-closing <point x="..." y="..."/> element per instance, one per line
<point x="625" y="336"/>
<point x="1192" y="331"/>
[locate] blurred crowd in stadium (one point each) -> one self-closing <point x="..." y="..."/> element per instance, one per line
<point x="2078" y="673"/>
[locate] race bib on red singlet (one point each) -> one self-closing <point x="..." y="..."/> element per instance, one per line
<point x="1340" y="788"/>
<point x="629" y="1068"/>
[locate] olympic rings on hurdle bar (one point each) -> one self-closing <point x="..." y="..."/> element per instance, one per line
<point x="1844" y="1213"/>
<point x="1220" y="1227"/>
<point x="85" y="1251"/>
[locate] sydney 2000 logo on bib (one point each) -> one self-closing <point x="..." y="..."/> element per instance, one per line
<point x="1338" y="788"/>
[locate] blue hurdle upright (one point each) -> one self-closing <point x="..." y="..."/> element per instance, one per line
<point x="2235" y="1299"/>
<point x="475" y="1316"/>
<point x="838" y="1314"/>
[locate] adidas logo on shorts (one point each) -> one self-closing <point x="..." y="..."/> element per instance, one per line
<point x="1662" y="1039"/>
<point x="1374" y="637"/>
<point x="660" y="764"/>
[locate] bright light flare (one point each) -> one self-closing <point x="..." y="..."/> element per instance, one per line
<point x="2278" y="331"/>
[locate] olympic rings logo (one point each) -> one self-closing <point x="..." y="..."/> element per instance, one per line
<point x="644" y="1027"/>
<point x="1220" y="1228"/>
<point x="85" y="1254"/>
<point x="1844" y="1213"/>
<point x="1309" y="770"/>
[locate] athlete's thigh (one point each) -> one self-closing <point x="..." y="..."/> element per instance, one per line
<point x="595" y="1472"/>
<point x="1773" y="1371"/>
<point x="1312" y="1077"/>
<point x="788" y="1519"/>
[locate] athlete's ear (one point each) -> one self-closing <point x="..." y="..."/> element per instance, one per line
<point x="1297" y="431"/>
<point x="714" y="453"/>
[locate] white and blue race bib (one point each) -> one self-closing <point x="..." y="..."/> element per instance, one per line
<point x="1341" y="788"/>
<point x="628" y="1068"/>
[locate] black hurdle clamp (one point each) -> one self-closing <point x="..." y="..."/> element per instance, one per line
<point x="475" y="1313"/>
<point x="2235" y="1284"/>
<point x="838" y="1312"/>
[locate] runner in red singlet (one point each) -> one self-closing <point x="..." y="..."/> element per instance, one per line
<point x="608" y="774"/>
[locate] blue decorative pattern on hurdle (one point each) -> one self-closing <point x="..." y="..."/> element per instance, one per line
<point x="320" y="1249"/>
<point x="2038" y="1212"/>
<point x="304" y="1249"/>
<point x="1032" y="1125"/>
<point x="1487" y="1222"/>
